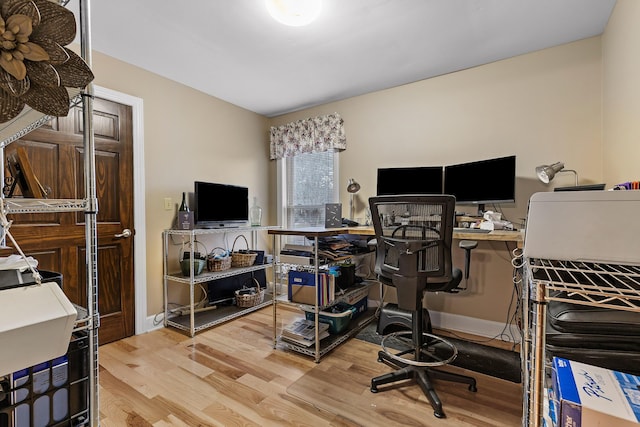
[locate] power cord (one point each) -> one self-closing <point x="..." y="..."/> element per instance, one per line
<point x="513" y="312"/>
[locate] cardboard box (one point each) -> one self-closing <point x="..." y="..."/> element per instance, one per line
<point x="302" y="294"/>
<point x="589" y="396"/>
<point x="302" y="287"/>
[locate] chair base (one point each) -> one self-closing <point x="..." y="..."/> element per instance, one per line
<point x="422" y="375"/>
<point x="393" y="317"/>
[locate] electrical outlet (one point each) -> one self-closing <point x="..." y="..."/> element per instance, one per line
<point x="168" y="204"/>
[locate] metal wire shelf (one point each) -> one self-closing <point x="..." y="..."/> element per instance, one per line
<point x="613" y="286"/>
<point x="596" y="284"/>
<point x="19" y="205"/>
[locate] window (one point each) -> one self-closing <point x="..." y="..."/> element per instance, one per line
<point x="307" y="181"/>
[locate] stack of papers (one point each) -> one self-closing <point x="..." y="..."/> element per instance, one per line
<point x="303" y="332"/>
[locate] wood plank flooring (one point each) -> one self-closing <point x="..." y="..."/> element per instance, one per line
<point x="230" y="375"/>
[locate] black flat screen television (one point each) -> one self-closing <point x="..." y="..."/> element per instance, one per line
<point x="220" y="205"/>
<point x="411" y="180"/>
<point x="482" y="182"/>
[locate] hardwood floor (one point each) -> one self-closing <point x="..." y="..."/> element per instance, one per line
<point x="230" y="375"/>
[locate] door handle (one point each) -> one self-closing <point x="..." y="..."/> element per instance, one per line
<point x="125" y="233"/>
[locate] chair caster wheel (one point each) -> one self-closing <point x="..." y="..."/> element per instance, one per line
<point x="473" y="388"/>
<point x="439" y="414"/>
<point x="374" y="389"/>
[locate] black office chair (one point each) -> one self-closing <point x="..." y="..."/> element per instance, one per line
<point x="414" y="235"/>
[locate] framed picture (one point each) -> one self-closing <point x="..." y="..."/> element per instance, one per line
<point x="333" y="215"/>
<point x="23" y="176"/>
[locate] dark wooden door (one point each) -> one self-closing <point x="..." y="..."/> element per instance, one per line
<point x="57" y="240"/>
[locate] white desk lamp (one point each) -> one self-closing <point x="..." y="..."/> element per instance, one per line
<point x="547" y="172"/>
<point x="352" y="188"/>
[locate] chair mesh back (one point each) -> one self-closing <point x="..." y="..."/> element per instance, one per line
<point x="419" y="217"/>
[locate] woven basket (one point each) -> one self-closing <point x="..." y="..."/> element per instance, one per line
<point x="242" y="257"/>
<point x="218" y="260"/>
<point x="254" y="296"/>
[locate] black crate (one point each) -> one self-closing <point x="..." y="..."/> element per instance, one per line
<point x="54" y="393"/>
<point x="15" y="279"/>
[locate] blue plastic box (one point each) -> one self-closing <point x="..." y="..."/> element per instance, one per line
<point x="339" y="315"/>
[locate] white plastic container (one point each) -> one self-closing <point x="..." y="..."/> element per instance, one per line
<point x="36" y="322"/>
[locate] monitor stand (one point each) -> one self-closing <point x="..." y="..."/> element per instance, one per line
<point x="213" y="225"/>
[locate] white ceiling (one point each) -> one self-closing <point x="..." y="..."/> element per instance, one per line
<point x="233" y="50"/>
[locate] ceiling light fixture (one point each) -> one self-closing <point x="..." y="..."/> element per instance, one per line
<point x="295" y="13"/>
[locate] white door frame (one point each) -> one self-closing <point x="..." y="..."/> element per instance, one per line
<point x="140" y="239"/>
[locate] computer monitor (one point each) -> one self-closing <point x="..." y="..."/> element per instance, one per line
<point x="482" y="182"/>
<point x="409" y="180"/>
<point x="220" y="205"/>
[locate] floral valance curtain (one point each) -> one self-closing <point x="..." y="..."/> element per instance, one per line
<point x="311" y="135"/>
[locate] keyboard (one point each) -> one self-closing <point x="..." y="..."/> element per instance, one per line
<point x="471" y="230"/>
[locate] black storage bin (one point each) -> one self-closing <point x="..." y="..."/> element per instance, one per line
<point x="13" y="278"/>
<point x="222" y="291"/>
<point x="54" y="393"/>
<point x="347" y="277"/>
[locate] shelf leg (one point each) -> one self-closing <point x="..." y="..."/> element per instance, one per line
<point x="538" y="362"/>
<point x="275" y="289"/>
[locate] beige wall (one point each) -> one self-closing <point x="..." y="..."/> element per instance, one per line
<point x="543" y="107"/>
<point x="577" y="103"/>
<point x="188" y="136"/>
<point x="621" y="94"/>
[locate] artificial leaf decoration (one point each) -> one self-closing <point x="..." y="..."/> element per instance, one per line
<point x="53" y="101"/>
<point x="35" y="67"/>
<point x="43" y="74"/>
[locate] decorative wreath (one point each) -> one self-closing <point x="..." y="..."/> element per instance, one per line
<point x="35" y="67"/>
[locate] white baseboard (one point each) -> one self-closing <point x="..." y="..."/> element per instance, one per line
<point x="470" y="325"/>
<point x="439" y="320"/>
<point x="154" y="322"/>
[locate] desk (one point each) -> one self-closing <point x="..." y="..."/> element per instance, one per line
<point x="311" y="232"/>
<point x="314" y="233"/>
<point x="495" y="236"/>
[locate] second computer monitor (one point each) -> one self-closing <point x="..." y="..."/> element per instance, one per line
<point x="411" y="180"/>
<point x="482" y="182"/>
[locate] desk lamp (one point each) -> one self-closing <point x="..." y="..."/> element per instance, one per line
<point x="547" y="172"/>
<point x="352" y="188"/>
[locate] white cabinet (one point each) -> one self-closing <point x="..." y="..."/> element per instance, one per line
<point x="192" y="319"/>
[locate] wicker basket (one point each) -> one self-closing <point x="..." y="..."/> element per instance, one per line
<point x="249" y="297"/>
<point x="218" y="260"/>
<point x="242" y="257"/>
